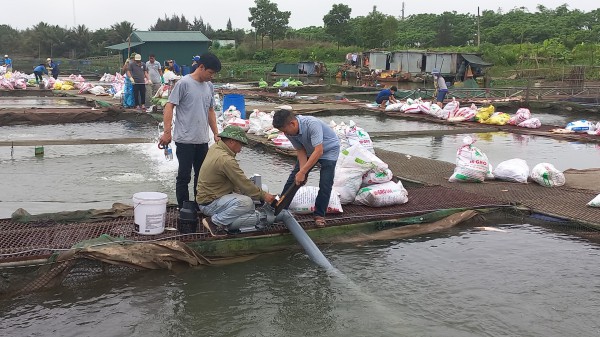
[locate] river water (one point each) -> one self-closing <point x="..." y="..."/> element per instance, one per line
<point x="526" y="281"/>
<point x="73" y="177"/>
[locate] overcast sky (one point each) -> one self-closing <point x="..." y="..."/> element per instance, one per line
<point x="143" y="13"/>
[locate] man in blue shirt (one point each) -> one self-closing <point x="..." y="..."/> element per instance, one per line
<point x="39" y="71"/>
<point x="386" y="95"/>
<point x="195" y="61"/>
<point x="8" y="63"/>
<point x="315" y="142"/>
<point x="53" y="67"/>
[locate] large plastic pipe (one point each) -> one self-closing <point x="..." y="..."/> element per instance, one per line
<point x="304" y="240"/>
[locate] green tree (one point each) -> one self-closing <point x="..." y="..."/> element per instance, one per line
<point x="198" y="25"/>
<point x="174" y="23"/>
<point x="80" y="41"/>
<point x="9" y="38"/>
<point x="121" y="31"/>
<point x="278" y="26"/>
<point x="100" y="39"/>
<point x="376" y="24"/>
<point x="229" y="26"/>
<point x="337" y="22"/>
<point x="263" y="17"/>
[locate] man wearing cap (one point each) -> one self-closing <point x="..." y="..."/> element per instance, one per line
<point x="156" y="79"/>
<point x="8" y="63"/>
<point x="53" y="67"/>
<point x="139" y="73"/>
<point x="195" y="61"/>
<point x="225" y="194"/>
<point x="441" y="88"/>
<point x="193" y="96"/>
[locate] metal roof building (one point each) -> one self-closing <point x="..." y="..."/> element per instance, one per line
<point x="180" y="46"/>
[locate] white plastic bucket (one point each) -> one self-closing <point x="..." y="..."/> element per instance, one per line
<point x="149" y="212"/>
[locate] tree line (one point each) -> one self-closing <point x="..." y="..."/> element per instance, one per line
<point x="561" y="33"/>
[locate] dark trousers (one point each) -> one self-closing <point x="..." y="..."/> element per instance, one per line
<point x="189" y="156"/>
<point x="139" y="94"/>
<point x="325" y="184"/>
<point x="38" y="77"/>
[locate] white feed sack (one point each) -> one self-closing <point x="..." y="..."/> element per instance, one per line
<point x="381" y="195"/>
<point x="471" y="163"/>
<point x="304" y="201"/>
<point x="547" y="175"/>
<point x="358" y="135"/>
<point x="377" y="177"/>
<point x="515" y="170"/>
<point x="595" y="202"/>
<point x="352" y="164"/>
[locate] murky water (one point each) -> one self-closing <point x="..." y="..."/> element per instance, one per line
<point x="500" y="146"/>
<point x="78" y="131"/>
<point x="41" y="102"/>
<point x="528" y="281"/>
<point x="72" y="177"/>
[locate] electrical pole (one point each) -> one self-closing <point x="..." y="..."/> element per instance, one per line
<point x="74" y="22"/>
<point x="478" y="30"/>
<point x="402" y="10"/>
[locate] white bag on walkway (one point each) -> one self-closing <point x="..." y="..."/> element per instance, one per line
<point x="381" y="195"/>
<point x="377" y="177"/>
<point x="357" y="135"/>
<point x="547" y="175"/>
<point x="532" y="123"/>
<point x="304" y="201"/>
<point x="522" y="115"/>
<point x="451" y="108"/>
<point x="580" y="126"/>
<point x="595" y="202"/>
<point x="471" y="163"/>
<point x="352" y="164"/>
<point x="515" y="170"/>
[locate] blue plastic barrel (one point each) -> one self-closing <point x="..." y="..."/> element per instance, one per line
<point x="185" y="70"/>
<point x="237" y="101"/>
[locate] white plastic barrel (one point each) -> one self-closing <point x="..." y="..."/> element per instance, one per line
<point x="149" y="212"/>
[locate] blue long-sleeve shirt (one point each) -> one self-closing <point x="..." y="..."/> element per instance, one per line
<point x="40" y="69"/>
<point x="54" y="67"/>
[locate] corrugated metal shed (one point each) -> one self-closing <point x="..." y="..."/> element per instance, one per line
<point x="161" y="36"/>
<point x="180" y="46"/>
<point x="407" y="61"/>
<point x="445" y="63"/>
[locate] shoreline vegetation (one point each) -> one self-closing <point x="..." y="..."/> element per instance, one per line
<point x="523" y="45"/>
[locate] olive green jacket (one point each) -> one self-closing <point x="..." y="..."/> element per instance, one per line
<point x="221" y="174"/>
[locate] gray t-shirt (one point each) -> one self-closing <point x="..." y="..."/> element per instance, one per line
<point x="138" y="72"/>
<point x="193" y="100"/>
<point x="312" y="132"/>
<point x="154" y="71"/>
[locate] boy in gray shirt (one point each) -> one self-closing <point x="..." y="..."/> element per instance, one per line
<point x="155" y="74"/>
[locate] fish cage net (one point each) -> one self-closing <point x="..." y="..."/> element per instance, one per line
<point x="79" y="272"/>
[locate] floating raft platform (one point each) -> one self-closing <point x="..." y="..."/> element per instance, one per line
<point x="38" y="240"/>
